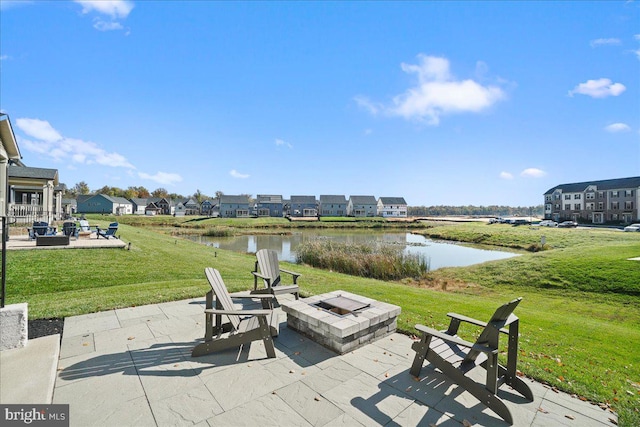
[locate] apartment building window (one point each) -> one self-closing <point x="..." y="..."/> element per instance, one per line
<point x="591" y="196"/>
<point x="576" y="196"/>
<point x="600" y="206"/>
<point x="614" y="194"/>
<point x="567" y="196"/>
<point x="557" y="206"/>
<point x="567" y="207"/>
<point x="614" y="217"/>
<point x="628" y="206"/>
<point x="600" y="194"/>
<point x="577" y="207"/>
<point x="628" y="193"/>
<point x="590" y="206"/>
<point x="615" y="205"/>
<point x="547" y="198"/>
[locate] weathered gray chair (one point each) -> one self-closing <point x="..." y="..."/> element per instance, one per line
<point x="455" y="356"/>
<point x="240" y="327"/>
<point x="268" y="269"/>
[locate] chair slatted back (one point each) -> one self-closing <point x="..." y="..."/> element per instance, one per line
<point x="269" y="265"/>
<point x="490" y="333"/>
<point x="223" y="299"/>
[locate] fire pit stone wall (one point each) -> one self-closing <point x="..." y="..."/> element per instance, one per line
<point x="341" y="332"/>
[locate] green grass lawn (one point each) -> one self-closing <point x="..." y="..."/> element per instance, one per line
<point x="580" y="317"/>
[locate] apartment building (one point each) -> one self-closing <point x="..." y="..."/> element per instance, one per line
<point x="595" y="202"/>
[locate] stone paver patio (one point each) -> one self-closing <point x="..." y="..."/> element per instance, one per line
<point x="132" y="367"/>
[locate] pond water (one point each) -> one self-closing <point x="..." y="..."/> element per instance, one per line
<point x="438" y="253"/>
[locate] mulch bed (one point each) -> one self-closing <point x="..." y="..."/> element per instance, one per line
<point x="43" y="327"/>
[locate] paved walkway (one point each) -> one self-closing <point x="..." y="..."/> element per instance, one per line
<point x="132" y="367"/>
<point x="23" y="243"/>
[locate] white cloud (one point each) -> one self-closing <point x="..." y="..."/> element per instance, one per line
<point x="437" y="93"/>
<point x="8" y="4"/>
<point x="600" y="88"/>
<point x="281" y="143"/>
<point x="49" y="142"/>
<point x="234" y="173"/>
<point x="506" y="175"/>
<point x="101" y="25"/>
<point x="4" y="57"/>
<point x="163" y="178"/>
<point x="533" y="173"/>
<point x="604" y="42"/>
<point x="39" y="129"/>
<point x="366" y="104"/>
<point x="617" y="127"/>
<point x="114" y="8"/>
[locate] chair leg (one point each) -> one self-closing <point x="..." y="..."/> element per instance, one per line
<point x="421" y="348"/>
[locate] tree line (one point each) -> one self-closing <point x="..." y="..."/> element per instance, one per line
<point x="82" y="188"/>
<point x="470" y="210"/>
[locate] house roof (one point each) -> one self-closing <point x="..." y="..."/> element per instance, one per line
<point x="269" y="198"/>
<point x="393" y="201"/>
<point x="331" y="198"/>
<point x="120" y="200"/>
<point x="363" y="200"/>
<point x="303" y="199"/>
<point x="607" y="184"/>
<point x="234" y="199"/>
<point x="26" y="172"/>
<point x="8" y="138"/>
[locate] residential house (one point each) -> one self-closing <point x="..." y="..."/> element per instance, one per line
<point x="209" y="207"/>
<point x="598" y="202"/>
<point x="139" y="205"/>
<point x="34" y="194"/>
<point x="180" y="210"/>
<point x="167" y="205"/>
<point x="269" y="205"/>
<point x="333" y="205"/>
<point x="191" y="207"/>
<point x="392" y="207"/>
<point x="152" y="209"/>
<point x="69" y="207"/>
<point x="303" y="206"/>
<point x="101" y="203"/>
<point x="234" y="207"/>
<point x="9" y="152"/>
<point x="362" y="206"/>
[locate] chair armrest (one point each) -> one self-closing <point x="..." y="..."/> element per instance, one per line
<point x="473" y="321"/>
<point x="255" y="273"/>
<point x="239" y="312"/>
<point x="282" y="270"/>
<point x="455" y="340"/>
<point x="252" y="296"/>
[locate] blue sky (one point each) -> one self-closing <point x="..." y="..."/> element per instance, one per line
<point x="438" y="102"/>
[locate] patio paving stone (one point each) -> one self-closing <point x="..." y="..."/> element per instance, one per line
<point x="133" y="367"/>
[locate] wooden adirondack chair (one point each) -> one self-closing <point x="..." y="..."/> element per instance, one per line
<point x="455" y="356"/>
<point x="268" y="269"/>
<point x="243" y="326"/>
<point x="109" y="232"/>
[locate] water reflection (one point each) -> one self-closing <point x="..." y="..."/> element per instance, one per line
<point x="438" y="253"/>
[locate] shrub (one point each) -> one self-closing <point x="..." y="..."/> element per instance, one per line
<point x="382" y="262"/>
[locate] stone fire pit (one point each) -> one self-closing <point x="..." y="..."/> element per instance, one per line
<point x="340" y="320"/>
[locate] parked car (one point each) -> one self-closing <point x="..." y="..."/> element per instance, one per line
<point x="568" y="224"/>
<point x="632" y="227"/>
<point x="548" y="223"/>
